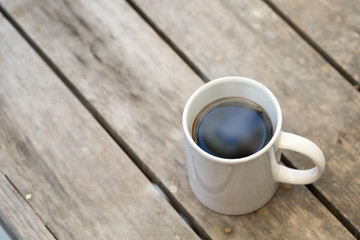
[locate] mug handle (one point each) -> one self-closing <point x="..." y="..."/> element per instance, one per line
<point x="304" y="146"/>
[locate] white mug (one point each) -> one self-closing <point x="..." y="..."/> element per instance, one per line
<point x="240" y="186"/>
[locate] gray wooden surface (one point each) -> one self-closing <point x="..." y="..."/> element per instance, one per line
<point x="139" y="85"/>
<point x="3" y="234"/>
<point x="18" y="215"/>
<point x="247" y="38"/>
<point x="333" y="24"/>
<point x="69" y="170"/>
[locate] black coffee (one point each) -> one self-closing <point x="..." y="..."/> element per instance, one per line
<point x="232" y="128"/>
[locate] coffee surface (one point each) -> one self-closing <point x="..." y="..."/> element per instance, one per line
<point x="232" y="128"/>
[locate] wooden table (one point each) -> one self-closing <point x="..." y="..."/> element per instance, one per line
<point x="91" y="98"/>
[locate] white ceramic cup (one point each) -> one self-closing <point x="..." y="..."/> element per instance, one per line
<point x="239" y="186"/>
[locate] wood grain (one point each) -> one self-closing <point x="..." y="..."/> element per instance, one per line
<point x="81" y="183"/>
<point x="333" y="24"/>
<point x="247" y="38"/>
<point x="20" y="219"/>
<point x="139" y="85"/>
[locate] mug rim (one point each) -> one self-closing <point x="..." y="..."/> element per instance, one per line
<point x="235" y="160"/>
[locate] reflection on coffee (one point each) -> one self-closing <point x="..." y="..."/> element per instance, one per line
<point x="232" y="128"/>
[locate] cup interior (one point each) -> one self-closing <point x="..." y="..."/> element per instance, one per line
<point x="232" y="87"/>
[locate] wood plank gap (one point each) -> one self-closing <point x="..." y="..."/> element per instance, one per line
<point x="38" y="215"/>
<point x="166" y="39"/>
<point x="23" y="197"/>
<point x="52" y="232"/>
<point x="314" y="45"/>
<point x="329" y="206"/>
<point x="165" y="193"/>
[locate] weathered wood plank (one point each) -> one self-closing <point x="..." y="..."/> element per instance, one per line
<point x="139" y="85"/>
<point x="3" y="234"/>
<point x="20" y="219"/>
<point x="247" y="38"/>
<point x="333" y="24"/>
<point x="82" y="184"/>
